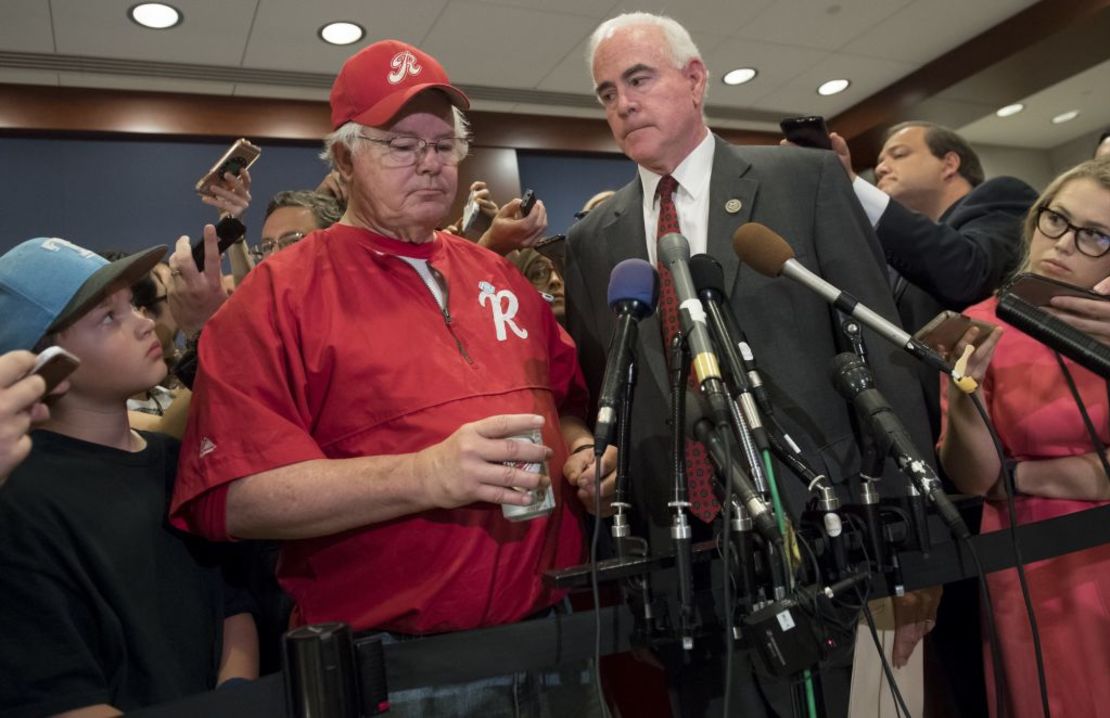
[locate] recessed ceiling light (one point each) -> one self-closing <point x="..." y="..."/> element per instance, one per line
<point x="1009" y="110"/>
<point x="342" y="33"/>
<point x="739" y="76"/>
<point x="832" y="87"/>
<point x="1065" y="117"/>
<point x="155" y="15"/>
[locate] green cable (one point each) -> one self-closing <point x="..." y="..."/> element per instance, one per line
<point x="780" y="516"/>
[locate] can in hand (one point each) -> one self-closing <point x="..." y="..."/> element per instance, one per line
<point x="543" y="500"/>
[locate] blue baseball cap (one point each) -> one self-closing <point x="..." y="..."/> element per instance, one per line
<point x="47" y="283"/>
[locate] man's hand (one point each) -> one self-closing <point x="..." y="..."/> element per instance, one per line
<point x="471" y="464"/>
<point x="334" y="185"/>
<point x="579" y="471"/>
<point x="20" y="406"/>
<point x="1091" y="316"/>
<point x="232" y="197"/>
<point x="510" y="231"/>
<point x="195" y="296"/>
<point x="915" y="614"/>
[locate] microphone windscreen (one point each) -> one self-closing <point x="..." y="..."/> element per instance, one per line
<point x="707" y="273"/>
<point x="761" y="248"/>
<point x="634" y="279"/>
<point x="673" y="247"/>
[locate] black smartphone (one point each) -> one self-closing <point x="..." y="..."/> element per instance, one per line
<point x="1037" y="290"/>
<point x="229" y="229"/>
<point x="527" y="202"/>
<point x="553" y="247"/>
<point x="54" y="364"/>
<point x="809" y="131"/>
<point x="945" y="330"/>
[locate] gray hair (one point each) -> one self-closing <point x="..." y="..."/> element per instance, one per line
<point x="680" y="45"/>
<point x="348" y="134"/>
<point x="325" y="208"/>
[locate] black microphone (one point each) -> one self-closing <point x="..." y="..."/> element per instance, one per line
<point x="674" y="251"/>
<point x="633" y="291"/>
<point x="853" y="380"/>
<point x="703" y="430"/>
<point x="762" y="249"/>
<point x="1082" y="348"/>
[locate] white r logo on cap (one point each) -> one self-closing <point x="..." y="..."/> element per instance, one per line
<point x="403" y="63"/>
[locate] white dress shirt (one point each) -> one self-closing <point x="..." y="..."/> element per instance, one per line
<point x="873" y="199"/>
<point x="691" y="198"/>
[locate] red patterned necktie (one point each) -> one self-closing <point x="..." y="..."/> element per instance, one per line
<point x="699" y="473"/>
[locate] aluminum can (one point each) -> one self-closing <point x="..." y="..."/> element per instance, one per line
<point x="543" y="500"/>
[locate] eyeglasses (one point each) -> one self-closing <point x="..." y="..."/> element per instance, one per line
<point x="404" y="151"/>
<point x="1088" y="241"/>
<point x="268" y="246"/>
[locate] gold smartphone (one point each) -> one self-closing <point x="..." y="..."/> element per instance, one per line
<point x="239" y="157"/>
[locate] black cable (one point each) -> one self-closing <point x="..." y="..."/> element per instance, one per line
<point x="1011" y="510"/>
<point x="596" y="591"/>
<point x="728" y="578"/>
<point x="1001" y="695"/>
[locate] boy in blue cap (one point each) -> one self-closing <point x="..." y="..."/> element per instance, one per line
<point x="106" y="608"/>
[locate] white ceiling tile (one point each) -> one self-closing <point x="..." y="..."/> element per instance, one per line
<point x="209" y="34"/>
<point x="1032" y="127"/>
<point x="924" y="30"/>
<point x="147" y="84"/>
<point x="868" y="76"/>
<point x="598" y="9"/>
<point x="26" y="27"/>
<point x="716" y="16"/>
<point x="777" y="66"/>
<point x="472" y="42"/>
<point x="285" y="31"/>
<point x="28" y="77"/>
<point x="824" y="25"/>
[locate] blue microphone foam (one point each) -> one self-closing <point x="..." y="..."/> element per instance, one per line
<point x="634" y="279"/>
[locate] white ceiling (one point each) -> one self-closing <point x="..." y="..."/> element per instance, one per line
<point x="521" y="55"/>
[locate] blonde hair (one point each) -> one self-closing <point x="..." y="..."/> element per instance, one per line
<point x="1096" y="169"/>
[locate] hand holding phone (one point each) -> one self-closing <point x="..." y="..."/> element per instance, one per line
<point x="1039" y="291"/>
<point x="54" y="364"/>
<point x="945" y="331"/>
<point x="808" y="131"/>
<point x="239" y="157"/>
<point x="527" y="202"/>
<point x="230" y="230"/>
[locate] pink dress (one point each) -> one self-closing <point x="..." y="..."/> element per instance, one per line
<point x="1036" y="417"/>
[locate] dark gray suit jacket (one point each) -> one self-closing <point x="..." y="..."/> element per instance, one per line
<point x="805" y="196"/>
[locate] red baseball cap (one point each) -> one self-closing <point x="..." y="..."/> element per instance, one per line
<point x="376" y="82"/>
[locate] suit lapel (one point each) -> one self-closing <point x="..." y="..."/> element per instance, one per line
<point x="727" y="186"/>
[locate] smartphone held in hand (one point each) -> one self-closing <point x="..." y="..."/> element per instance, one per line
<point x="54" y="364"/>
<point x="239" y="157"/>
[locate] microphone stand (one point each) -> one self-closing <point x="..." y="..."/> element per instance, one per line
<point x="680" y="527"/>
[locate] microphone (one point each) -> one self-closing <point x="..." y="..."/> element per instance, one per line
<point x="853" y="380"/>
<point x="762" y="249"/>
<point x="674" y="251"/>
<point x="1083" y="349"/>
<point x="703" y="430"/>
<point x="633" y="292"/>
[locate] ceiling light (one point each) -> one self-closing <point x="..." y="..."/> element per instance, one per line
<point x="1009" y="110"/>
<point x="833" y="87"/>
<point x="342" y="33"/>
<point x="1065" y="117"/>
<point x="155" y="15"/>
<point x="739" y="76"/>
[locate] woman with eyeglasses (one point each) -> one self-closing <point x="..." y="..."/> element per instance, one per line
<point x="1054" y="421"/>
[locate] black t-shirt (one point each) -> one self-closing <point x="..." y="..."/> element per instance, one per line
<point x="101" y="601"/>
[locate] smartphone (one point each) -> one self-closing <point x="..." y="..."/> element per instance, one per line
<point x="946" y="328"/>
<point x="229" y="229"/>
<point x="1037" y="290"/>
<point x="54" y="364"/>
<point x="809" y="131"/>
<point x="239" y="157"/>
<point x="527" y="202"/>
<point x="475" y="222"/>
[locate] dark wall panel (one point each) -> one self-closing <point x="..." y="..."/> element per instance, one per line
<point x="564" y="182"/>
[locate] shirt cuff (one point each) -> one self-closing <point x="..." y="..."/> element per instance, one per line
<point x="873" y="199"/>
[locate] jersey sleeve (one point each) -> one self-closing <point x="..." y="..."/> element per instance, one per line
<point x="250" y="410"/>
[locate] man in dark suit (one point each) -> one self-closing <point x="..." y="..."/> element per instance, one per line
<point x="651" y="82"/>
<point x="950" y="239"/>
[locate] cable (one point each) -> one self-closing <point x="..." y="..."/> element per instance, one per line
<point x="596" y="591"/>
<point x="728" y="581"/>
<point x="1019" y="564"/>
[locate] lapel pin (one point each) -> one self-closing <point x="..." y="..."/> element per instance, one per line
<point x="733" y="206"/>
